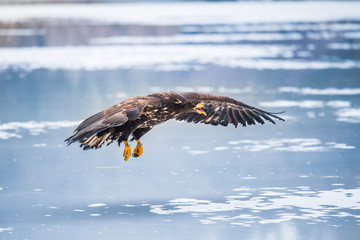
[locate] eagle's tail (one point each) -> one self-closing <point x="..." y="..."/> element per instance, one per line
<point x="90" y="133"/>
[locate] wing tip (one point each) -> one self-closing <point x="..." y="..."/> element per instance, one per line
<point x="274" y="115"/>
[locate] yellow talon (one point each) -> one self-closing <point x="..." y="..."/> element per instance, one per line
<point x="138" y="150"/>
<point x="127" y="151"/>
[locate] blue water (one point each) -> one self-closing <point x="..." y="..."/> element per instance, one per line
<point x="298" y="179"/>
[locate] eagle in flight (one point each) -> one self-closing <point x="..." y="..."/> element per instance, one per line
<point x="138" y="115"/>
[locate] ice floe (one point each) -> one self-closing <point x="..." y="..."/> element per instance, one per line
<point x="187" y="12"/>
<point x="197" y="152"/>
<point x="287" y="145"/>
<point x="39" y="145"/>
<point x="2" y="229"/>
<point x="262" y="27"/>
<point x="14" y="129"/>
<point x="97" y="205"/>
<point x="325" y="91"/>
<point x="7" y="135"/>
<point x="350" y="115"/>
<point x="352" y="35"/>
<point x="139" y="56"/>
<point x="291" y="103"/>
<point x="338" y="104"/>
<point x="79" y="210"/>
<point x="195" y="38"/>
<point x="343" y="46"/>
<point x="95" y="215"/>
<point x="283" y="204"/>
<point x="275" y="144"/>
<point x="162" y="57"/>
<point x="308" y="104"/>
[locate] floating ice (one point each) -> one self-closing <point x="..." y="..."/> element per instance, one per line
<point x="306" y="104"/>
<point x="39" y="145"/>
<point x="196" y="38"/>
<point x="13" y="129"/>
<point x="2" y="229"/>
<point x="162" y="57"/>
<point x="290" y="103"/>
<point x="350" y="115"/>
<point x="197" y="152"/>
<point x="221" y="148"/>
<point x="79" y="210"/>
<point x="326" y="91"/>
<point x="97" y="205"/>
<point x="139" y="56"/>
<point x="287" y="145"/>
<point x="95" y="214"/>
<point x="7" y="135"/>
<point x="352" y="35"/>
<point x="339" y="27"/>
<point x="282" y="203"/>
<point x="343" y="46"/>
<point x="338" y="104"/>
<point x="248" y="178"/>
<point x="187" y="13"/>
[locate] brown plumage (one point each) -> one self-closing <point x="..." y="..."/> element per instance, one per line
<point x="138" y="115"/>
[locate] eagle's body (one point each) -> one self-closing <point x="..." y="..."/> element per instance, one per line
<point x="138" y="115"/>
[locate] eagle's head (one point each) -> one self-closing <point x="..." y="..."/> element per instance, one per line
<point x="199" y="108"/>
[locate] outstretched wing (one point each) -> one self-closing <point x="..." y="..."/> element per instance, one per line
<point x="224" y="110"/>
<point x="95" y="126"/>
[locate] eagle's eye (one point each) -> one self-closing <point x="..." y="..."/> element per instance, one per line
<point x="199" y="108"/>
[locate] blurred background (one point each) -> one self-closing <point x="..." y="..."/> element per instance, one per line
<point x="62" y="61"/>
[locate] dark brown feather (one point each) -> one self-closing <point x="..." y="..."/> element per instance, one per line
<point x="90" y="120"/>
<point x="231" y="117"/>
<point x="263" y="114"/>
<point x="239" y="119"/>
<point x="247" y="118"/>
<point x="191" y="117"/>
<point x="198" y="118"/>
<point x="255" y="116"/>
<point x="116" y="119"/>
<point x="223" y="119"/>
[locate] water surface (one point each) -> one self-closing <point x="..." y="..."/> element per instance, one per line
<point x="298" y="179"/>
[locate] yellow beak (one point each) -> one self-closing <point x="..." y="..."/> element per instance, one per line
<point x="198" y="108"/>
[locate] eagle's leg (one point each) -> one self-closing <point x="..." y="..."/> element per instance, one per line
<point x="138" y="150"/>
<point x="137" y="134"/>
<point x="127" y="151"/>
